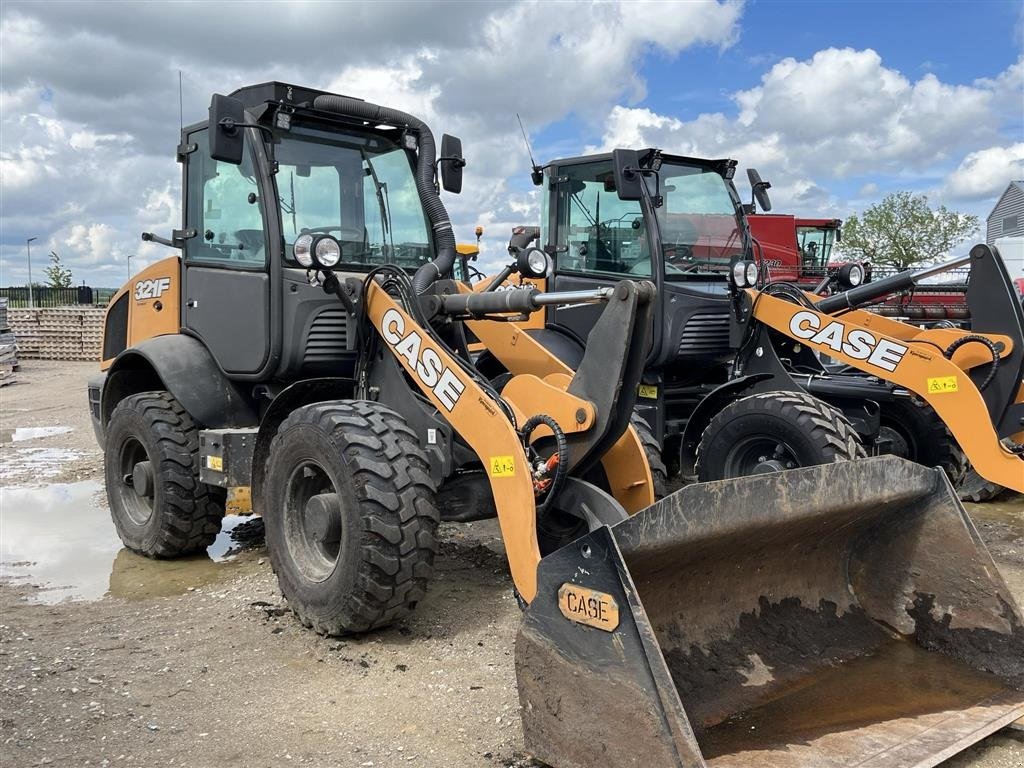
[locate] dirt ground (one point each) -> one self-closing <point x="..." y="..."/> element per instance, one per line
<point x="111" y="659"/>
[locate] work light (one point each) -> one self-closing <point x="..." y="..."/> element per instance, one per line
<point x="302" y="250"/>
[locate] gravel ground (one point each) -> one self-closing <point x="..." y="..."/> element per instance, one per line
<point x="199" y="663"/>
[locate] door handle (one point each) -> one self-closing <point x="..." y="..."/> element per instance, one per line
<point x="192" y="304"/>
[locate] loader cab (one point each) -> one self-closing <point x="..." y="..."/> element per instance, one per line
<point x="299" y="171"/>
<point x="683" y="235"/>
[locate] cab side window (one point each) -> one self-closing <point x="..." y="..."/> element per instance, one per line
<point x="224" y="208"/>
<point x="600" y="233"/>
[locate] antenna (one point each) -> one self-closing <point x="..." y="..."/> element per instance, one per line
<point x="181" y="106"/>
<point x="536" y="172"/>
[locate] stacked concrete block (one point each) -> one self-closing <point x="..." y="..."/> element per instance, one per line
<point x="59" y="333"/>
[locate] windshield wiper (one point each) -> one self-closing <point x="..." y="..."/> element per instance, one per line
<point x="384" y="203"/>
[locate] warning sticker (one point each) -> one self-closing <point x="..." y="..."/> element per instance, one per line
<point x="647" y="390"/>
<point x="216" y="463"/>
<point x="942" y="384"/>
<point x="503" y="466"/>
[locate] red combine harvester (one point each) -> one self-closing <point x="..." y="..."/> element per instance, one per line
<point x="799" y="250"/>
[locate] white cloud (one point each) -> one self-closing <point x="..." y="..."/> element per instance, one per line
<point x="90" y="147"/>
<point x="840" y="114"/>
<point x="986" y="173"/>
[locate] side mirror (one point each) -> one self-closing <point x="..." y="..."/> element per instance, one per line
<point x="452" y="163"/>
<point x="626" y="168"/>
<point x="839" y="231"/>
<point x="759" y="189"/>
<point x="227" y="141"/>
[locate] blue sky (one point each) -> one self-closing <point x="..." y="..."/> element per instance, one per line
<point x="837" y="103"/>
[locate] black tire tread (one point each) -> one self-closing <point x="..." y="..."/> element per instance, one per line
<point x="977" y="489"/>
<point x="391" y="475"/>
<point x="659" y="473"/>
<point x="191" y="516"/>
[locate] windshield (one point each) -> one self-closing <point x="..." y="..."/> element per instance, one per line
<point x="359" y="189"/>
<point x="700" y="231"/>
<point x="815" y="245"/>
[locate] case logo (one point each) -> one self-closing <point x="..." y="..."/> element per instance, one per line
<point x="588" y="606"/>
<point x="858" y="343"/>
<point x="425" y="362"/>
<point x="151" y="289"/>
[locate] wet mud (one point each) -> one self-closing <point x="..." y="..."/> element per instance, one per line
<point x="846" y="697"/>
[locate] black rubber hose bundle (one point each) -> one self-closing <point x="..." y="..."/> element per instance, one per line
<point x="976" y="339"/>
<point x="561" y="446"/>
<point x="444" y="237"/>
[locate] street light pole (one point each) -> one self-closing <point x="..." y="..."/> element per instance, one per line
<point x="28" y="247"/>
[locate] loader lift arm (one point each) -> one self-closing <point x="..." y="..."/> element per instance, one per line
<point x="594" y="404"/>
<point x="972" y="380"/>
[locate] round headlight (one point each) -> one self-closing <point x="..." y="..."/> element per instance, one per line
<point x="326" y="252"/>
<point x="751" y="273"/>
<point x="534" y="263"/>
<point x="851" y="275"/>
<point x="739" y="274"/>
<point x="302" y="249"/>
<point x="856" y="275"/>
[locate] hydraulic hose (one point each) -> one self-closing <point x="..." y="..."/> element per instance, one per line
<point x="444" y="237"/>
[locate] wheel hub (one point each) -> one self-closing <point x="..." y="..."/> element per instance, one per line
<point x="323" y="518"/>
<point x="142" y="479"/>
<point x="767" y="466"/>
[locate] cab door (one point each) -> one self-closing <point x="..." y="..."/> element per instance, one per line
<point x="598" y="238"/>
<point x="226" y="298"/>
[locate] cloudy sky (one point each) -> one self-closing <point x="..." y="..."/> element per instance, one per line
<point x="836" y="103"/>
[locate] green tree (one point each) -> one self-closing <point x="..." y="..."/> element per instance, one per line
<point x="903" y="230"/>
<point x="57" y="274"/>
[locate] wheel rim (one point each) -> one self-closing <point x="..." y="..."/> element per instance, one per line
<point x="136" y="489"/>
<point x="758" y="455"/>
<point x="313" y="521"/>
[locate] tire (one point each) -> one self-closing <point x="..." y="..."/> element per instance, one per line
<point x="773" y="431"/>
<point x="977" y="489"/>
<point x="654" y="458"/>
<point x="151" y="468"/>
<point x="920" y="435"/>
<point x="350" y="516"/>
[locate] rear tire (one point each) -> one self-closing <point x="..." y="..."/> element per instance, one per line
<point x="920" y="435"/>
<point x="774" y="431"/>
<point x="350" y="516"/>
<point x="151" y="468"/>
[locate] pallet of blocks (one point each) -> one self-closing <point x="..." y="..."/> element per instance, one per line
<point x="8" y="348"/>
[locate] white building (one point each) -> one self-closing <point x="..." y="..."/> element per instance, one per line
<point x="1007" y="218"/>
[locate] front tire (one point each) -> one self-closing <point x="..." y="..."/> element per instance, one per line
<point x="977" y="489"/>
<point x="774" y="431"/>
<point x="350" y="516"/>
<point x="151" y="468"/>
<point x="917" y="433"/>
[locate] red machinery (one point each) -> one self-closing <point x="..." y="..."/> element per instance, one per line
<point x="799" y="250"/>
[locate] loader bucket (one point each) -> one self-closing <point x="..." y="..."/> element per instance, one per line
<point x="839" y="615"/>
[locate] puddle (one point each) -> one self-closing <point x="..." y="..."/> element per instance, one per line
<point x="1008" y="514"/>
<point x="40" y="463"/>
<point x="31" y="433"/>
<point x="843" y="704"/>
<point x="60" y="537"/>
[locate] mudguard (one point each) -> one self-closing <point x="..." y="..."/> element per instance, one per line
<point x="184" y="367"/>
